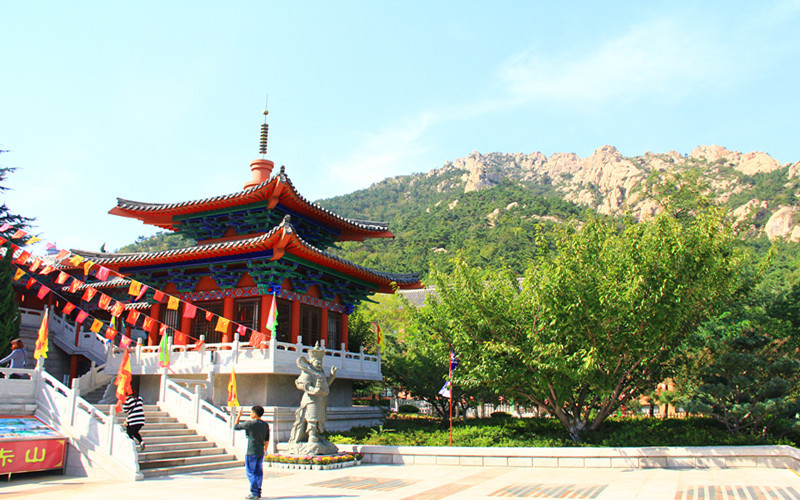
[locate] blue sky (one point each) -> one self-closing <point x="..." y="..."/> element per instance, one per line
<point x="162" y="101"/>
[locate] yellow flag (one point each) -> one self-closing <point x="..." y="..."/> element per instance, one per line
<point x="222" y="325"/>
<point x="172" y="303"/>
<point x="41" y="341"/>
<point x="135" y="288"/>
<point x="18" y="274"/>
<point x="96" y="325"/>
<point x="233" y="398"/>
<point x="76" y="260"/>
<point x="33" y="240"/>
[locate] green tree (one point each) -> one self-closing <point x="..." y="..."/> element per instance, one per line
<point x="594" y="323"/>
<point x="9" y="315"/>
<point x="750" y="376"/>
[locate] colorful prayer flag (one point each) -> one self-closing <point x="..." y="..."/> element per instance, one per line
<point x="117" y="309"/>
<point x="42" y="341"/>
<point x="381" y="339"/>
<point x="86" y="267"/>
<point x="233" y="399"/>
<point x="124" y="342"/>
<point x="33" y="240"/>
<point x="89" y="294"/>
<point x="141" y="293"/>
<point x="158" y="296"/>
<point x="104" y="302"/>
<point x="30" y="283"/>
<point x="35" y="265"/>
<point x="445" y="390"/>
<point x="148" y="324"/>
<point x="76" y="260"/>
<point x="173" y="303"/>
<point x="68" y="307"/>
<point x="19" y="274"/>
<point x="133" y="316"/>
<point x="96" y="325"/>
<point x="110" y="333"/>
<point x="189" y="310"/>
<point x="209" y="315"/>
<point x="241" y="330"/>
<point x="19" y="233"/>
<point x="81" y="317"/>
<point x="61" y="255"/>
<point x="163" y="348"/>
<point x="272" y="316"/>
<point x="22" y="258"/>
<point x="42" y="292"/>
<point x="222" y="325"/>
<point x="102" y="273"/>
<point x="5" y="227"/>
<point x="134" y="288"/>
<point x="74" y="285"/>
<point x="62" y="278"/>
<point x="123" y="380"/>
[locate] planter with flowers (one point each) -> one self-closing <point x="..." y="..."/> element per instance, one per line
<point x="322" y="462"/>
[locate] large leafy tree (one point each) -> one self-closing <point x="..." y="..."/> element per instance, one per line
<point x="593" y="323"/>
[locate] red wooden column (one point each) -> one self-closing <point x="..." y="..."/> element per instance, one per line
<point x="186" y="329"/>
<point x="344" y="330"/>
<point x="266" y="301"/>
<point x="295" y="320"/>
<point x="323" y="326"/>
<point x="152" y="335"/>
<point x="227" y="312"/>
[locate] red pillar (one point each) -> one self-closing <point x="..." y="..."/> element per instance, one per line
<point x="323" y="326"/>
<point x="152" y="335"/>
<point x="227" y="312"/>
<point x="295" y="320"/>
<point x="266" y="301"/>
<point x="345" y="331"/>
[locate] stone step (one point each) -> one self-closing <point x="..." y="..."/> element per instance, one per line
<point x="170" y="453"/>
<point x="184" y="461"/>
<point x="150" y="421"/>
<point x="170" y="439"/>
<point x="179" y="432"/>
<point x="153" y="446"/>
<point x="186" y="469"/>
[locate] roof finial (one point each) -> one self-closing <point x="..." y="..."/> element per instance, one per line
<point x="264" y="130"/>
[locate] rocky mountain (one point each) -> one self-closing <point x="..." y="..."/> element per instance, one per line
<point x="753" y="186"/>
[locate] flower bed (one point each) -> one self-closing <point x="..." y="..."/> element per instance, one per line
<point x="323" y="462"/>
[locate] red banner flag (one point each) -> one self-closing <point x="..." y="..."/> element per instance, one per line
<point x="47" y="270"/>
<point x="61" y="255"/>
<point x="110" y="333"/>
<point x="30" y="283"/>
<point x="42" y="344"/>
<point x="148" y="324"/>
<point x="209" y="315"/>
<point x="241" y="330"/>
<point x="158" y="296"/>
<point x="81" y="317"/>
<point x="133" y="316"/>
<point x="62" y="277"/>
<point x="118" y="309"/>
<point x="141" y="293"/>
<point x="258" y="339"/>
<point x="123" y="380"/>
<point x="162" y="330"/>
<point x="43" y="291"/>
<point x="89" y="294"/>
<point x="189" y="310"/>
<point x="68" y="307"/>
<point x="104" y="301"/>
<point x="102" y="273"/>
<point x="22" y="258"/>
<point x="74" y="285"/>
<point x="124" y="342"/>
<point x="36" y="263"/>
<point x="18" y="234"/>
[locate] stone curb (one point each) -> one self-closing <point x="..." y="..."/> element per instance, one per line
<point x="700" y="457"/>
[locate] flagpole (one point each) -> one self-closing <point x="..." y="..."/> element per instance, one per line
<point x="450" y="378"/>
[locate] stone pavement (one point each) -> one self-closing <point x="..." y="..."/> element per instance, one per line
<point x="429" y="482"/>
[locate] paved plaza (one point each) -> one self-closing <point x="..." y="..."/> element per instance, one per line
<point x="429" y="483"/>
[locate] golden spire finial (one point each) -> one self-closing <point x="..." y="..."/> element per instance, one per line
<point x="264" y="131"/>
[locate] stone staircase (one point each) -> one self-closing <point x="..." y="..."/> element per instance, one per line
<point x="172" y="448"/>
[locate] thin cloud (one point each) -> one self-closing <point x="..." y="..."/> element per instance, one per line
<point x="660" y="57"/>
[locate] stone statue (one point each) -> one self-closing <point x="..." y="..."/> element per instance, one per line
<point x="309" y="423"/>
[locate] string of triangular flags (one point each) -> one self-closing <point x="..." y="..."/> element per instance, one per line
<point x="136" y="289"/>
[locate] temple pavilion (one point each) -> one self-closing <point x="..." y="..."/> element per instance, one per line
<point x="263" y="241"/>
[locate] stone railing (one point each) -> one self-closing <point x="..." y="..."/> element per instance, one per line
<point x="18" y="391"/>
<point x="100" y="441"/>
<point x="93" y="379"/>
<point x="278" y="358"/>
<point x="62" y="332"/>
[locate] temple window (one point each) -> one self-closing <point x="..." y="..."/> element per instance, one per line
<point x="171" y="318"/>
<point x="284" y="330"/>
<point x="334" y="330"/>
<point x="246" y="312"/>
<point x="200" y="326"/>
<point x="310" y="323"/>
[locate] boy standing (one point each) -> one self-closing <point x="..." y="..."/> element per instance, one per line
<point x="257" y="432"/>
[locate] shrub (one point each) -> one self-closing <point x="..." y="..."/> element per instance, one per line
<point x="408" y="409"/>
<point x="500" y="414"/>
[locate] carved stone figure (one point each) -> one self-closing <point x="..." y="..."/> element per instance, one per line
<point x="309" y="423"/>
